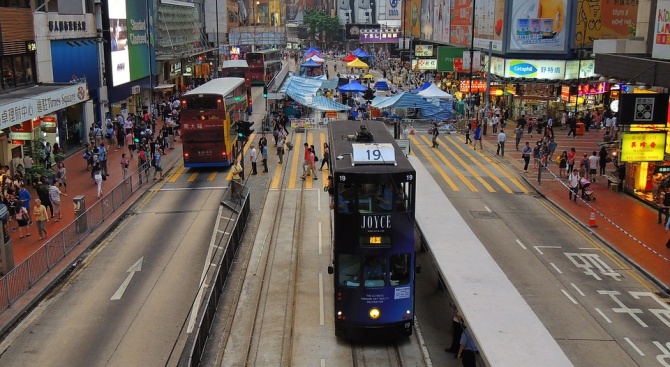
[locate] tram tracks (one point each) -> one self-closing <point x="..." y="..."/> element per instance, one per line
<point x="376" y="355"/>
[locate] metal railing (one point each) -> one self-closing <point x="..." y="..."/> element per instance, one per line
<point x="27" y="273"/>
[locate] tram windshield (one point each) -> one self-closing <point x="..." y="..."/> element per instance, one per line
<point x="373" y="270"/>
<point x="400" y="265"/>
<point x="368" y="198"/>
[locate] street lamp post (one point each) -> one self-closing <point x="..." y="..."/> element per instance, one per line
<point x="472" y="57"/>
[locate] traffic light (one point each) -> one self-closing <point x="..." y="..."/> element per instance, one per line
<point x="240" y="129"/>
<point x="247" y="128"/>
<point x="265" y="91"/>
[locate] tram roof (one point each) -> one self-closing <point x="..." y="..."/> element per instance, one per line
<point x="221" y="86"/>
<point x="340" y="133"/>
<point x="235" y="64"/>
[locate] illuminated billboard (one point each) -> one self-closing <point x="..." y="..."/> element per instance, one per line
<point x="489" y="19"/>
<point x="461" y="22"/>
<point x="129" y="44"/>
<point x="643" y="147"/>
<point x="538" y="25"/>
<point x="603" y="19"/>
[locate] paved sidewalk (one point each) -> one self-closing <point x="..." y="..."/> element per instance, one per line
<point x="626" y="224"/>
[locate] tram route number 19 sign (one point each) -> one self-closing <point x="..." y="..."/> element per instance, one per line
<point x="643" y="108"/>
<point x="373" y="154"/>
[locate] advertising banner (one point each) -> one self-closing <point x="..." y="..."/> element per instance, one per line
<point x="412" y="18"/>
<point x="427" y="10"/>
<point x="423" y="50"/>
<point x="129" y="42"/>
<point x="441" y="20"/>
<point x="603" y="19"/>
<point x="446" y="56"/>
<point x="380" y="36"/>
<point x="586" y="70"/>
<point x="643" y="147"/>
<point x="539" y="69"/>
<point x="461" y="21"/>
<point x="424" y="64"/>
<point x="497" y="66"/>
<point x="489" y="18"/>
<point x="661" y="47"/>
<point x="353" y="31"/>
<point x="389" y="10"/>
<point x="476" y="60"/>
<point x="645" y="108"/>
<point x="538" y="25"/>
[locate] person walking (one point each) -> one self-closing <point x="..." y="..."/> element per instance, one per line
<point x="125" y="163"/>
<point x="501" y="143"/>
<point x="54" y="196"/>
<point x="102" y="155"/>
<point x="253" y="157"/>
<point x="158" y="168"/>
<point x="573" y="184"/>
<point x="326" y="157"/>
<point x="96" y="173"/>
<point x="236" y="180"/>
<point x="594" y="161"/>
<point x="572" y="125"/>
<point x="130" y="143"/>
<point x="467" y="352"/>
<point x="550" y="127"/>
<point x="562" y="164"/>
<point x="24" y="198"/>
<point x="495" y="120"/>
<point x="525" y="154"/>
<point x="61" y="176"/>
<point x="435" y="132"/>
<point x="572" y="154"/>
<point x="467" y="134"/>
<point x="305" y="162"/>
<point x="22" y="219"/>
<point x="264" y="155"/>
<point x="311" y="168"/>
<point x="603" y="160"/>
<point x="478" y="137"/>
<point x="41" y="217"/>
<point x="518" y="135"/>
<point x="280" y="148"/>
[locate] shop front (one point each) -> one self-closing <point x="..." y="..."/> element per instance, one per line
<point x="46" y="113"/>
<point x="647" y="170"/>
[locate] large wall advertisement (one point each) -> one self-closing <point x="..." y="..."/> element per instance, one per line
<point x="461" y="21"/>
<point x="603" y="19"/>
<point x="661" y="47"/>
<point x="489" y="19"/>
<point x="128" y="41"/>
<point x="538" y="25"/>
<point x="435" y="20"/>
<point x="411" y="18"/>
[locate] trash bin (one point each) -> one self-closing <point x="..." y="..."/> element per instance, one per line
<point x="79" y="213"/>
<point x="580" y="128"/>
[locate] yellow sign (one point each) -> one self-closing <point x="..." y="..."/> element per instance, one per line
<point x="643" y="147"/>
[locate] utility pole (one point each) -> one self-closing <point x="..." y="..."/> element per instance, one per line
<point x="218" y="55"/>
<point x="487" y="97"/>
<point x="471" y="101"/>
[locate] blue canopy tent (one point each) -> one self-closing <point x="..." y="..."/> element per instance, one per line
<point x="422" y="87"/>
<point x="360" y="53"/>
<point x="354" y="86"/>
<point x="310" y="64"/>
<point x="381" y="84"/>
<point x="312" y="50"/>
<point x="403" y="100"/>
<point x="442" y="112"/>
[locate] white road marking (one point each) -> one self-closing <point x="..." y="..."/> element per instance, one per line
<point x="521" y="244"/>
<point x="577" y="289"/>
<point x="604" y="317"/>
<point x="589" y="248"/>
<point x="193" y="188"/>
<point x="318" y="200"/>
<point x="224" y="232"/>
<point x="206" y="265"/>
<point x="226" y="218"/>
<point x="132" y="270"/>
<point x="569" y="296"/>
<point x="634" y="346"/>
<point x="216" y="247"/>
<point x="488" y="209"/>
<point x="537" y="248"/>
<point x="321" y="310"/>
<point x="323" y="362"/>
<point x="320" y="240"/>
<point x="556" y="267"/>
<point x="422" y="343"/>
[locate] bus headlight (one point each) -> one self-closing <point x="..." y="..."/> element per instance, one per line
<point x="374" y="313"/>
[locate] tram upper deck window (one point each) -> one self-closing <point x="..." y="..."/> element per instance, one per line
<point x="373" y="198"/>
<point x="374" y="272"/>
<point x="399" y="265"/>
<point x="349" y="270"/>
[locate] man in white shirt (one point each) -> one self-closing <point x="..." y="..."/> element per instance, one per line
<point x="501" y="143"/>
<point x="550" y="127"/>
<point x="594" y="162"/>
<point x="253" y="155"/>
<point x="494" y="121"/>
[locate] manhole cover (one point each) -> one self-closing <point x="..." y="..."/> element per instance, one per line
<point x="484" y="215"/>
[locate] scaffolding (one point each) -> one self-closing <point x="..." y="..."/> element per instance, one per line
<point x="179" y="31"/>
<point x="258" y="35"/>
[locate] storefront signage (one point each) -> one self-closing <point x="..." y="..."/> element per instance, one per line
<point x="31" y="47"/>
<point x="41" y="104"/>
<point x="586" y="70"/>
<point x="477" y="86"/>
<point x="661" y="46"/>
<point x="20" y="136"/>
<point x="539" y="69"/>
<point x="592" y="88"/>
<point x="642" y="147"/>
<point x="423" y="50"/>
<point x="643" y="109"/>
<point x="175" y="68"/>
<point x="53" y="26"/>
<point x="67" y="26"/>
<point x="476" y="57"/>
<point x="380" y="35"/>
<point x="662" y="169"/>
<point x="424" y="64"/>
<point x="498" y="66"/>
<point x="539" y="25"/>
<point x="446" y="57"/>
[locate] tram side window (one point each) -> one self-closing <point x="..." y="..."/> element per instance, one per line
<point x="349" y="270"/>
<point x="346" y="198"/>
<point x="404" y="199"/>
<point x="400" y="265"/>
<point x="374" y="272"/>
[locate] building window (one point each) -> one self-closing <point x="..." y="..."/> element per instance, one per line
<point x="17" y="70"/>
<point x="15" y="3"/>
<point x="90" y="7"/>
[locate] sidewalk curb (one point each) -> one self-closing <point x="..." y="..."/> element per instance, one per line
<point x="650" y="276"/>
<point x="60" y="273"/>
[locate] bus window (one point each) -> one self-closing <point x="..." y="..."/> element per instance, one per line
<point x="346" y="197"/>
<point x="349" y="266"/>
<point x="399" y="269"/>
<point x="384" y="198"/>
<point x="374" y="272"/>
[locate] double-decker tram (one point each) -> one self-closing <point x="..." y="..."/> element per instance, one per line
<point x="236" y="69"/>
<point x="373" y="238"/>
<point x="208" y="116"/>
<point x="264" y="65"/>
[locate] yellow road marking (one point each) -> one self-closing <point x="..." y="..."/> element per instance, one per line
<point x="451" y="166"/>
<point x="275" y="178"/>
<point x="193" y="176"/>
<point x="211" y="176"/>
<point x="432" y="161"/>
<point x="297" y="155"/>
<point x="466" y="166"/>
<point x="175" y="176"/>
<point x="486" y="170"/>
<point x="322" y="137"/>
<point x="308" y="181"/>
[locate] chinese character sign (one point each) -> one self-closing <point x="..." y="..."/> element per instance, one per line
<point x="643" y="147"/>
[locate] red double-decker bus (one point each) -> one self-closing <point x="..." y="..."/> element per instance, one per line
<point x="264" y="65"/>
<point x="236" y="69"/>
<point x="208" y="116"/>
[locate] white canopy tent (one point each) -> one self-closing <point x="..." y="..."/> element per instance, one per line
<point x="433" y="91"/>
<point x="317" y="58"/>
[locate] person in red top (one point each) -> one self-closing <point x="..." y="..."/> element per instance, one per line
<point x="571" y="159"/>
<point x="305" y="162"/>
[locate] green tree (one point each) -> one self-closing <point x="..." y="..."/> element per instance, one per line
<point x="322" y="28"/>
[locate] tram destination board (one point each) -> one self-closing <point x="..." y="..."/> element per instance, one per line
<point x="373" y="153"/>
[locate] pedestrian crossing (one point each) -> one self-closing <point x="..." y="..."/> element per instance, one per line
<point x="458" y="165"/>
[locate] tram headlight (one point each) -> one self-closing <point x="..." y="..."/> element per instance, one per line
<point x="374" y="313"/>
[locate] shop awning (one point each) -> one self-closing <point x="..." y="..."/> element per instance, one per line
<point x="39" y="100"/>
<point x="164" y="86"/>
